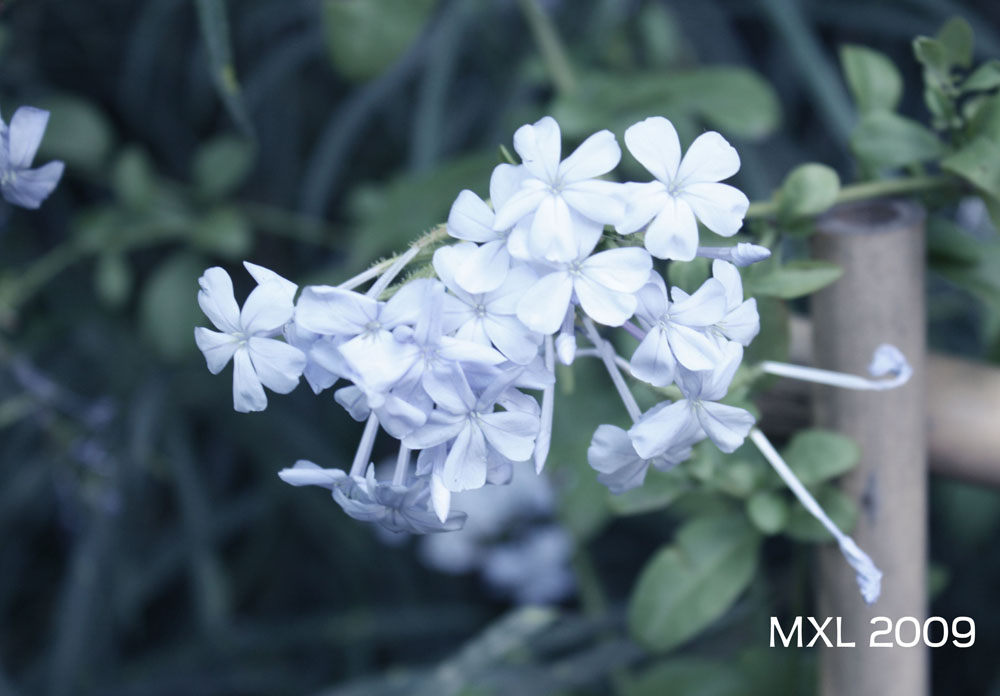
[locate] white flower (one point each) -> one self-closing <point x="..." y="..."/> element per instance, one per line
<point x="667" y="426"/>
<point x="685" y="190"/>
<point x="604" y="285"/>
<point x="675" y="330"/>
<point x="471" y="219"/>
<point x="258" y="359"/>
<point x="741" y="322"/>
<point x="741" y="254"/>
<point x="20" y="184"/>
<point x="619" y="466"/>
<point x="488" y="318"/>
<point x="564" y="198"/>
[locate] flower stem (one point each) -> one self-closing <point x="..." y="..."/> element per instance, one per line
<point x="550" y="45"/>
<point x="607" y="354"/>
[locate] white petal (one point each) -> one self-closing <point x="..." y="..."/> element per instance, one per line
<point x="653" y="361"/>
<point x="218" y="348"/>
<point x="465" y="467"/>
<point x="612" y="455"/>
<point x="277" y="364"/>
<point x="263" y="275"/>
<point x="539" y="145"/>
<point x="643" y="202"/>
<point x="596" y="155"/>
<point x="512" y="434"/>
<point x="704" y="308"/>
<point x="662" y="428"/>
<point x="468" y="352"/>
<point x="600" y="201"/>
<point x="267" y="309"/>
<point x="505" y="180"/>
<point x="248" y="392"/>
<point x="32" y="186"/>
<point x="217" y="301"/>
<point x="715" y="384"/>
<point x="484" y="269"/>
<point x="603" y="305"/>
<point x="727" y="426"/>
<point x="440" y="428"/>
<point x="504" y="299"/>
<point x="354" y="402"/>
<point x="470" y="218"/>
<point x="710" y="158"/>
<point x="673" y="234"/>
<point x="450" y="390"/>
<point x="551" y="235"/>
<point x="692" y="348"/>
<point x="624" y="270"/>
<point x="652" y="299"/>
<point x="399" y="417"/>
<point x="655" y="144"/>
<point x="410" y="301"/>
<point x="306" y="473"/>
<point x="512" y="338"/>
<point x="543" y="305"/>
<point x="333" y="311"/>
<point x="742" y="324"/>
<point x="523" y="203"/>
<point x="379" y="360"/>
<point x="27" y="126"/>
<point x="720" y="207"/>
<point x="440" y="498"/>
<point x="726" y="273"/>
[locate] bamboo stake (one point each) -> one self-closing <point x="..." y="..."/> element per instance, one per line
<point x="879" y="299"/>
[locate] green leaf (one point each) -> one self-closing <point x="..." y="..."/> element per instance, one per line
<point x="690" y="676"/>
<point x="809" y="189"/>
<point x="986" y="76"/>
<point x="112" y="279"/>
<point x="932" y="54"/>
<point x="802" y="526"/>
<point x="887" y="140"/>
<point x="221" y="165"/>
<point x="688" y="585"/>
<point x="794" y="279"/>
<point x="365" y="37"/>
<point x="737" y="101"/>
<point x="768" y="510"/>
<point x="957" y="40"/>
<point x="872" y="77"/>
<point x="133" y="179"/>
<point x="819" y="455"/>
<point x="689" y="275"/>
<point x="78" y="133"/>
<point x="659" y="491"/>
<point x="978" y="162"/>
<point x="215" y="33"/>
<point x="168" y="310"/>
<point x="224" y="231"/>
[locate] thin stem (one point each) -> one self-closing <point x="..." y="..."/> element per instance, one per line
<point x="402" y="466"/>
<point x="834" y="379"/>
<point x="607" y="354"/>
<point x="544" y="440"/>
<point x="394" y="270"/>
<point x="868" y="575"/>
<point x="436" y="235"/>
<point x="363" y="456"/>
<point x="864" y="191"/>
<point x="550" y="45"/>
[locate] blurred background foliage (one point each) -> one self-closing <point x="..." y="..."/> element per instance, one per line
<point x="148" y="546"/>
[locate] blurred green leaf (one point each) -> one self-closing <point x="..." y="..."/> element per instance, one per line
<point x="819" y="455"/>
<point x="112" y="279"/>
<point x="660" y="489"/>
<point x="978" y="162"/>
<point x="986" y="76"/>
<point x="956" y="39"/>
<point x="932" y="55"/>
<point x="809" y="189"/>
<point x="168" y="312"/>
<point x="791" y="280"/>
<point x="688" y="676"/>
<point x="887" y="140"/>
<point x="224" y="231"/>
<point x="802" y="526"/>
<point x="688" y="585"/>
<point x="662" y="36"/>
<point x="215" y="33"/>
<point x="768" y="510"/>
<point x="78" y="133"/>
<point x="221" y="165"/>
<point x="873" y="79"/>
<point x="983" y="114"/>
<point x="133" y="179"/>
<point x="365" y="37"/>
<point x="689" y="275"/>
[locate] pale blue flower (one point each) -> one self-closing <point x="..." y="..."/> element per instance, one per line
<point x="245" y="336"/>
<point x="742" y="254"/>
<point x="20" y="184"/>
<point x="620" y="467"/>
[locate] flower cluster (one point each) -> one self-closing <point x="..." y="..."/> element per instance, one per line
<point x="447" y="361"/>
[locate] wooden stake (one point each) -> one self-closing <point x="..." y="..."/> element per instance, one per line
<point x="879" y="299"/>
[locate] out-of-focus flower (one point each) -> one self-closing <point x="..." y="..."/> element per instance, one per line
<point x="20" y="184"/>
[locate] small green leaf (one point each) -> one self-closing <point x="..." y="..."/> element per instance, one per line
<point x="133" y="180"/>
<point x="887" y="140"/>
<point x="794" y="279"/>
<point x="978" y="163"/>
<point x="802" y="526"/>
<point x="365" y="37"/>
<point x="78" y="133"/>
<point x="872" y="77"/>
<point x="932" y="55"/>
<point x="809" y="189"/>
<point x="957" y="40"/>
<point x="688" y="585"/>
<point x="224" y="231"/>
<point x="112" y="279"/>
<point x="221" y="165"/>
<point x="689" y="275"/>
<point x="986" y="76"/>
<point x="819" y="455"/>
<point x="659" y="491"/>
<point x="768" y="510"/>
